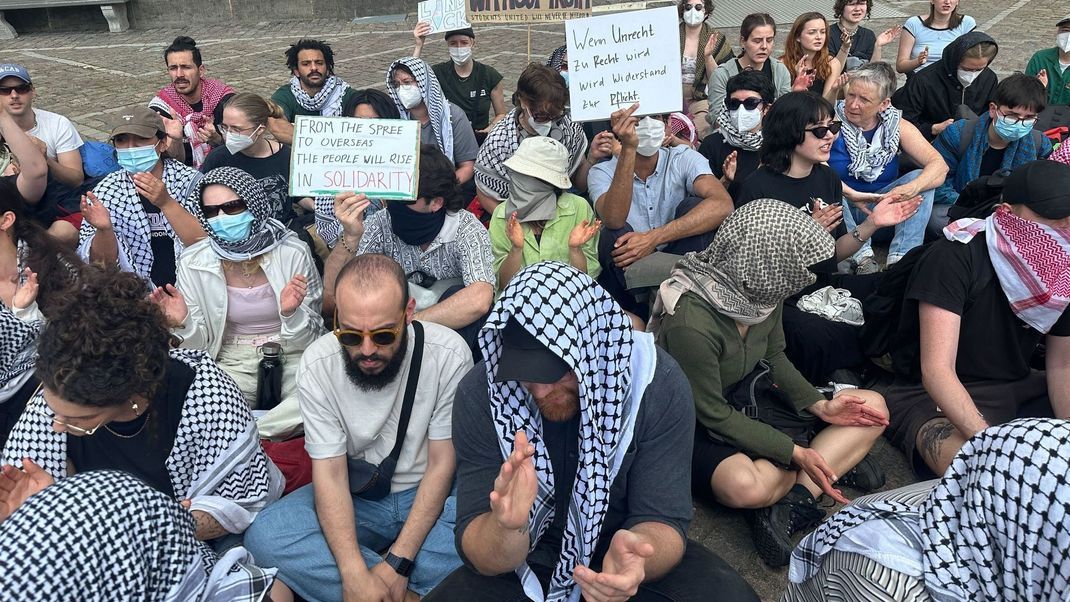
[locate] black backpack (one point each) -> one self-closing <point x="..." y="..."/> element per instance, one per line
<point x="980" y="197"/>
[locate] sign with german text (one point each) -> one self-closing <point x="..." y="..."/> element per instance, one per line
<point x="624" y="58"/>
<point x="378" y="157"/>
<point x="443" y="15"/>
<point x="527" y="11"/>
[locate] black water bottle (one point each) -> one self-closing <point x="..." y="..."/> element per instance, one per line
<point x="269" y="377"/>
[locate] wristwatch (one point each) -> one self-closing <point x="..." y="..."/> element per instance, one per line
<point x="401" y="566"/>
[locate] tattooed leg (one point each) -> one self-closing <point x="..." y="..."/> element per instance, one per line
<point x="938" y="441"/>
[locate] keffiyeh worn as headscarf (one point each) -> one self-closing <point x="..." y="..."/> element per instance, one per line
<point x="760" y="256"/>
<point x="266" y="232"/>
<point x="438" y="108"/>
<point x="581" y="323"/>
<point x="327" y="102"/>
<point x="18" y="351"/>
<point x="750" y="141"/>
<point x="557" y="58"/>
<point x="503" y="140"/>
<point x="868" y="159"/>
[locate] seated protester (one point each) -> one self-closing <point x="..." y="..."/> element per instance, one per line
<point x="250" y="282"/>
<point x="1002" y="138"/>
<point x="444" y="250"/>
<point x="474" y="87"/>
<point x="313" y="89"/>
<point x="116" y="538"/>
<point x="732" y="148"/>
<point x="651" y="198"/>
<point x="719" y="316"/>
<point x="169" y="417"/>
<point x="866" y="156"/>
<point x="540" y="110"/>
<point x="702" y="48"/>
<point x="141" y="216"/>
<point x="1054" y="65"/>
<point x="924" y="41"/>
<point x="850" y="42"/>
<point x="594" y="424"/>
<point x="975" y="308"/>
<point x="991" y="529"/>
<point x="959" y="81"/>
<point x="356" y="385"/>
<point x="29" y="176"/>
<point x="806" y="54"/>
<point x="539" y="221"/>
<point x="415" y="91"/>
<point x="18" y="355"/>
<point x="193" y="101"/>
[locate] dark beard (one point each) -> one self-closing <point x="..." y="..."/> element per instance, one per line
<point x="376" y="382"/>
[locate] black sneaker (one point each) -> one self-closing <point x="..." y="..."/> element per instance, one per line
<point x="773" y="527"/>
<point x="866" y="476"/>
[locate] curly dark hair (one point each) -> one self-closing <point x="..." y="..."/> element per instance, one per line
<point x="183" y="44"/>
<point x="438" y="178"/>
<point x="310" y="44"/>
<point x="107" y="343"/>
<point x="784" y="126"/>
<point x="377" y="99"/>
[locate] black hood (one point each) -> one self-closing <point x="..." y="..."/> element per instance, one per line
<point x="953" y="53"/>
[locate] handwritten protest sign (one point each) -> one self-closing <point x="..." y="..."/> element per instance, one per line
<point x="619" y="59"/>
<point x="379" y="157"/>
<point x="443" y="15"/>
<point x="527" y="11"/>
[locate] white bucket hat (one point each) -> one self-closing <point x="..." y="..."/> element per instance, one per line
<point x="544" y="158"/>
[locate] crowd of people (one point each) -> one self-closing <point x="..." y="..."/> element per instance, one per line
<point x="212" y="390"/>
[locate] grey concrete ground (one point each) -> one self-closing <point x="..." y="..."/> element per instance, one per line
<point x="90" y="77"/>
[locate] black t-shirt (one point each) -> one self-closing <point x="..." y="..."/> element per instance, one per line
<point x="767" y="70"/>
<point x="822" y="184"/>
<point x="272" y="172"/>
<point x="471" y="94"/>
<point x="163" y="246"/>
<point x="991" y="161"/>
<point x="862" y="47"/>
<point x="993" y="343"/>
<point x="716" y="150"/>
<point x="140" y="449"/>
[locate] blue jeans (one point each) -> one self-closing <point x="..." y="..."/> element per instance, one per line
<point x="908" y="234"/>
<point x="287" y="535"/>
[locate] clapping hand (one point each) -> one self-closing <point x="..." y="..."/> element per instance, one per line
<point x="94" y="212"/>
<point x="728" y="168"/>
<point x="583" y="232"/>
<point x="515" y="231"/>
<point x="171" y="302"/>
<point x="292" y="295"/>
<point x="516" y="486"/>
<point x="152" y="188"/>
<point x="888" y="35"/>
<point x="829" y="216"/>
<point x="16" y="486"/>
<point x="623" y="570"/>
<point x="25" y="292"/>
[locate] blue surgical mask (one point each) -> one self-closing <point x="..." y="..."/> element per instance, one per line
<point x="232" y="228"/>
<point x="138" y="159"/>
<point x="564" y="74"/>
<point x="1012" y="131"/>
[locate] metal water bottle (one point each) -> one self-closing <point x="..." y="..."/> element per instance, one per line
<point x="269" y="377"/>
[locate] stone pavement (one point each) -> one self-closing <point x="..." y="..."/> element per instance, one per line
<point x="90" y="77"/>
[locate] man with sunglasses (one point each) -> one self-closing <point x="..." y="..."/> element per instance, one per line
<point x="327" y="542"/>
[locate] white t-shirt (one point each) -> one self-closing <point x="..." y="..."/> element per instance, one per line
<point x="56" y="131"/>
<point x="935" y="39"/>
<point x="340" y="418"/>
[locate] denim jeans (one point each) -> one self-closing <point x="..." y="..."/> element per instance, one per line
<point x="287" y="535"/>
<point x="908" y="234"/>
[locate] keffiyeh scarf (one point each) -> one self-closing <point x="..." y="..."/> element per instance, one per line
<point x="1062" y="154"/>
<point x="438" y="108"/>
<point x="557" y="58"/>
<point x="868" y="159"/>
<point x="749" y="141"/>
<point x="212" y="93"/>
<point x="327" y="102"/>
<point x="582" y="324"/>
<point x="760" y="256"/>
<point x="266" y="232"/>
<point x="1032" y="262"/>
<point x="502" y="142"/>
<point x="18" y="351"/>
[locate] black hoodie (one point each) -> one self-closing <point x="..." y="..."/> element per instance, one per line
<point x="933" y="95"/>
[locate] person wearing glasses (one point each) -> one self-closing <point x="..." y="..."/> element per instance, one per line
<point x="327" y="541"/>
<point x="115" y="396"/>
<point x="732" y="149"/>
<point x="850" y="42"/>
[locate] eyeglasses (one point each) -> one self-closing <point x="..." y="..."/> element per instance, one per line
<point x="66" y="425"/>
<point x="383" y="337"/>
<point x="19" y="89"/>
<point x="1015" y="120"/>
<point x="230" y="208"/>
<point x="237" y="130"/>
<point x="695" y="7"/>
<point x="542" y="116"/>
<point x="748" y="103"/>
<point x="822" y="130"/>
<point x="398" y="84"/>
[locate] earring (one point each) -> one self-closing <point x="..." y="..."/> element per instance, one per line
<point x="134" y="406"/>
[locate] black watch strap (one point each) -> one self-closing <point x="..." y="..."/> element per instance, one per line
<point x="401" y="566"/>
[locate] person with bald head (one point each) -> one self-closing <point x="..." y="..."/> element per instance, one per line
<point x="371" y="491"/>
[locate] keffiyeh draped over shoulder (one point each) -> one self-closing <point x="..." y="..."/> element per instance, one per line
<point x="581" y="323"/>
<point x="266" y="232"/>
<point x="438" y="108"/>
<point x="327" y="102"/>
<point x="104" y="535"/>
<point x="18" y="351"/>
<point x="869" y="158"/>
<point x="503" y="140"/>
<point x="557" y="58"/>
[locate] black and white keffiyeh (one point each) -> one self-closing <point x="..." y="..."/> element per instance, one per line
<point x="581" y="323"/>
<point x="18" y="351"/>
<point x="503" y="140"/>
<point x="105" y="535"/>
<point x="751" y="141"/>
<point x="327" y="102"/>
<point x="438" y="108"/>
<point x="557" y="58"/>
<point x="266" y="232"/>
<point x="868" y="159"/>
<point x="128" y="218"/>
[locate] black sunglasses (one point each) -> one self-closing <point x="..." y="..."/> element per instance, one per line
<point x="19" y="89"/>
<point x="230" y="208"/>
<point x="748" y="103"/>
<point x="822" y="130"/>
<point x="698" y="7"/>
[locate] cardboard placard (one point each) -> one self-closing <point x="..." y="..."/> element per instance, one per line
<point x="527" y="11"/>
<point x="443" y="15"/>
<point x="378" y="157"/>
<point x="620" y="59"/>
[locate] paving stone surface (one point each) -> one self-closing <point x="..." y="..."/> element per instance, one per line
<point x="90" y="77"/>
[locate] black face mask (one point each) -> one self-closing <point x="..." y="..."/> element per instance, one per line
<point x="413" y="227"/>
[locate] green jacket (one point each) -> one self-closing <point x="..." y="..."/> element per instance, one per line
<point x="1058" y="79"/>
<point x="553" y="244"/>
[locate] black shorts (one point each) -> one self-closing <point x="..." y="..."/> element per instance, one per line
<point x="706" y="455"/>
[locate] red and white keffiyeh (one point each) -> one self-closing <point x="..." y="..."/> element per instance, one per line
<point x="212" y="92"/>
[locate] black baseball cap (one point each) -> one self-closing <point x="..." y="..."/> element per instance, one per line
<point x="1042" y="185"/>
<point x="525" y="358"/>
<point x="467" y="31"/>
<point x="1065" y="21"/>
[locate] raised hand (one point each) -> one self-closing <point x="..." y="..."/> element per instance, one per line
<point x="26" y="292"/>
<point x="804" y="75"/>
<point x="711" y="45"/>
<point x="813" y="464"/>
<point x="846" y="409"/>
<point x="172" y="303"/>
<point x="583" y="232"/>
<point x="16" y="486"/>
<point x="421" y="31"/>
<point x="94" y="212"/>
<point x="152" y="188"/>
<point x="728" y="168"/>
<point x="172" y="127"/>
<point x="293" y="294"/>
<point x="515" y="231"/>
<point x="888" y="35"/>
<point x="601" y="147"/>
<point x="208" y="133"/>
<point x="623" y="570"/>
<point x="624" y="126"/>
<point x="516" y="486"/>
<point x="349" y="209"/>
<point x="923" y="56"/>
<point x="1042" y="77"/>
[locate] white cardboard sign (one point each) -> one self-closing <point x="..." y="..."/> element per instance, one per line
<point x="379" y="157"/>
<point x="619" y="59"/>
<point x="443" y="15"/>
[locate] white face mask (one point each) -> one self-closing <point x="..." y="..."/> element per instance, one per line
<point x="1063" y="41"/>
<point x="746" y="120"/>
<point x="236" y="142"/>
<point x="542" y="128"/>
<point x="461" y="55"/>
<point x="694" y="17"/>
<point x="966" y="77"/>
<point x="651" y="134"/>
<point x="410" y="95"/>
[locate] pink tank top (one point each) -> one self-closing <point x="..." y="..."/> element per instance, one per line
<point x="252" y="311"/>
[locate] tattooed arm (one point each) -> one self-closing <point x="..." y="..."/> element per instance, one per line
<point x="206" y="525"/>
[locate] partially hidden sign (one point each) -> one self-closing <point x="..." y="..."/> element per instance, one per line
<point x="619" y="59"/>
<point x="443" y="15"/>
<point x="379" y="157"/>
<point x="527" y="11"/>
